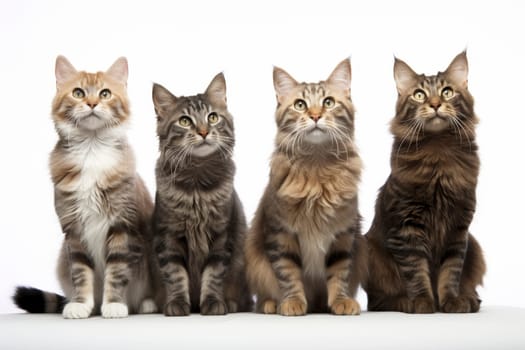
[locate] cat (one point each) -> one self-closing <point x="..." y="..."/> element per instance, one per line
<point x="106" y="263"/>
<point x="422" y="257"/>
<point x="198" y="221"/>
<point x="304" y="250"/>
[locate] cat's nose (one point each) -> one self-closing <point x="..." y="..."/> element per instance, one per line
<point x="315" y="117"/>
<point x="203" y="133"/>
<point x="92" y="104"/>
<point x="435" y="102"/>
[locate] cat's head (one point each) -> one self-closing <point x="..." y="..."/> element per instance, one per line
<point x="194" y="126"/>
<point x="436" y="104"/>
<point x="314" y="117"/>
<point x="87" y="102"/>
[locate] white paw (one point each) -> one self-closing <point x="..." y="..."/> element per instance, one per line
<point x="114" y="310"/>
<point x="77" y="310"/>
<point x="148" y="306"/>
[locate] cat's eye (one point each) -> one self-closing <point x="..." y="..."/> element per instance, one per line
<point x="299" y="105"/>
<point x="329" y="102"/>
<point x="213" y="118"/>
<point x="184" y="121"/>
<point x="105" y="94"/>
<point x="419" y="95"/>
<point x="447" y="93"/>
<point x="78" y="93"/>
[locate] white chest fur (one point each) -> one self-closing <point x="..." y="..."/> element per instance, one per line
<point x="313" y="254"/>
<point x="96" y="157"/>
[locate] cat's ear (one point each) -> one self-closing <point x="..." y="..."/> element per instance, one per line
<point x="216" y="91"/>
<point x="404" y="76"/>
<point x="341" y="76"/>
<point x="457" y="71"/>
<point x="162" y="100"/>
<point x="119" y="70"/>
<point x="283" y="83"/>
<point x="64" y="70"/>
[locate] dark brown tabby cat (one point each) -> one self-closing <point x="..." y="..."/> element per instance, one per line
<point x="422" y="257"/>
<point x="198" y="221"/>
<point x="103" y="206"/>
<point x="304" y="251"/>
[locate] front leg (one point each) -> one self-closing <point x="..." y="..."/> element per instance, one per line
<point x="171" y="253"/>
<point x="117" y="274"/>
<point x="450" y="276"/>
<point x="82" y="278"/>
<point x="339" y="265"/>
<point x="411" y="254"/>
<point x="283" y="251"/>
<point x="212" y="282"/>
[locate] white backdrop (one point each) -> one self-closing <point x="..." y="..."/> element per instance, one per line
<point x="183" y="45"/>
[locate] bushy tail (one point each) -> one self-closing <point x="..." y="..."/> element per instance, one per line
<point x="37" y="301"/>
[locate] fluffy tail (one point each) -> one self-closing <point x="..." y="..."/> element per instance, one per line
<point x="37" y="301"/>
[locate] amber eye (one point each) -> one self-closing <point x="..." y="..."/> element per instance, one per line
<point x="419" y="95"/>
<point x="184" y="121"/>
<point x="447" y="93"/>
<point x="328" y="102"/>
<point x="213" y="118"/>
<point x="105" y="94"/>
<point x="78" y="93"/>
<point x="299" y="105"/>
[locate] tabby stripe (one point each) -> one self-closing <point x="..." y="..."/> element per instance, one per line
<point x="337" y="256"/>
<point x="113" y="258"/>
<point x="82" y="258"/>
<point x="171" y="258"/>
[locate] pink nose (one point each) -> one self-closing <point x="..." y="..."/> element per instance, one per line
<point x="435" y="102"/>
<point x="315" y="117"/>
<point x="203" y="133"/>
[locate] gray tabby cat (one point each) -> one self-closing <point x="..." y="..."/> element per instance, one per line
<point x="102" y="204"/>
<point x="198" y="222"/>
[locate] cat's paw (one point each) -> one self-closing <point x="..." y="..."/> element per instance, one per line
<point x="148" y="306"/>
<point x="213" y="306"/>
<point x="114" y="310"/>
<point x="345" y="306"/>
<point x="177" y="308"/>
<point x="423" y="305"/>
<point x="292" y="307"/>
<point x="77" y="310"/>
<point x="269" y="307"/>
<point x="232" y="306"/>
<point x="461" y="304"/>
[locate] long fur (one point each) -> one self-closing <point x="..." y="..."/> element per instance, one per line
<point x="304" y="250"/>
<point x="422" y="257"/>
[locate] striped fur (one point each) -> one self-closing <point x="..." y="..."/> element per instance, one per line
<point x="304" y="250"/>
<point x="103" y="206"/>
<point x="198" y="222"/>
<point x="422" y="257"/>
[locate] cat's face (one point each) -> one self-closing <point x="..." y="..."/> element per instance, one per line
<point x="194" y="126"/>
<point x="433" y="104"/>
<point x="314" y="116"/>
<point x="90" y="101"/>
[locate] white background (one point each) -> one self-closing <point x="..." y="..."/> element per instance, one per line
<point x="182" y="45"/>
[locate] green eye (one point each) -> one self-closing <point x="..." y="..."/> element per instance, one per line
<point x="213" y="118"/>
<point x="299" y="105"/>
<point x="105" y="94"/>
<point x="184" y="121"/>
<point x="78" y="93"/>
<point x="447" y="93"/>
<point x="419" y="95"/>
<point x="328" y="102"/>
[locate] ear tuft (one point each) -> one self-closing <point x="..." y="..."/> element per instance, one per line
<point x="162" y="100"/>
<point x="216" y="91"/>
<point x="119" y="70"/>
<point x="404" y="76"/>
<point x="283" y="83"/>
<point x="342" y="75"/>
<point x="64" y="70"/>
<point x="457" y="71"/>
